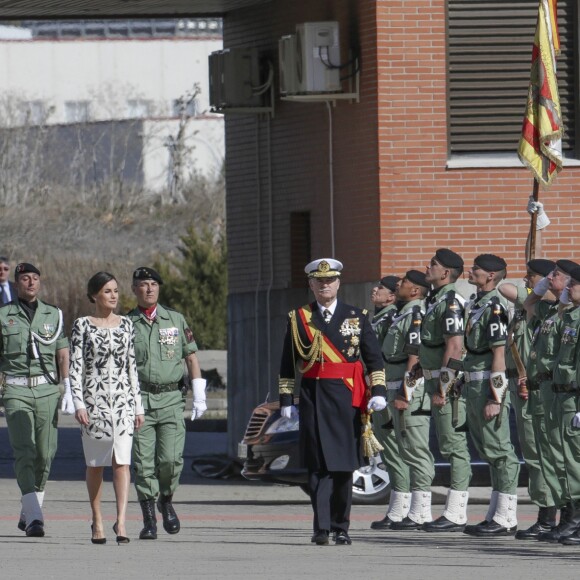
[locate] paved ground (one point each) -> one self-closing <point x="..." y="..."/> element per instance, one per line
<point x="238" y="529"/>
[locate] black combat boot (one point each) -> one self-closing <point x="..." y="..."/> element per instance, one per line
<point x="569" y="523"/>
<point x="170" y="520"/>
<point x="546" y="521"/>
<point x="149" y="531"/>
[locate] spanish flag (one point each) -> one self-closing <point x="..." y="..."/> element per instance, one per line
<point x="540" y="147"/>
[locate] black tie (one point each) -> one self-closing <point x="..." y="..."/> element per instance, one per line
<point x="327" y="315"/>
<point x="3" y="297"/>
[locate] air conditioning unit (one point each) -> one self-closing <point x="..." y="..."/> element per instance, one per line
<point x="287" y="65"/>
<point x="317" y="53"/>
<point x="234" y="77"/>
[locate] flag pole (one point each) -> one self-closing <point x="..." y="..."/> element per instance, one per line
<point x="534" y="219"/>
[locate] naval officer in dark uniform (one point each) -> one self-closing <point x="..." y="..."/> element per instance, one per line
<point x="328" y="339"/>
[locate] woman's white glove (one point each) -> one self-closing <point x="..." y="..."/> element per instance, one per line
<point x="542" y="221"/>
<point x="199" y="406"/>
<point x="286" y="411"/>
<point x="67" y="406"/>
<point x="541" y="287"/>
<point x="377" y="404"/>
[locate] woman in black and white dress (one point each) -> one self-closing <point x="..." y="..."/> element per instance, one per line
<point x="106" y="396"/>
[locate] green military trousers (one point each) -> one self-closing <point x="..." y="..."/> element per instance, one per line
<point x="32" y="420"/>
<point x="384" y="428"/>
<point x="452" y="443"/>
<point x="413" y="440"/>
<point x="492" y="442"/>
<point x="564" y="407"/>
<point x="538" y="489"/>
<point x="158" y="449"/>
<point x="549" y="441"/>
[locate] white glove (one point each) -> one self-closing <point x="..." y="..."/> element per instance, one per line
<point x="67" y="406"/>
<point x="286" y="411"/>
<point x="542" y="220"/>
<point x="199" y="406"/>
<point x="541" y="287"/>
<point x="377" y="404"/>
<point x="564" y="297"/>
<point x="576" y="421"/>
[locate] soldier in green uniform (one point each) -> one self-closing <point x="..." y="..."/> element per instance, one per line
<point x="33" y="354"/>
<point x="441" y="341"/>
<point x="487" y="399"/>
<point x="409" y="401"/>
<point x="163" y="340"/>
<point x="566" y="403"/>
<point x="384" y="298"/>
<point x="540" y="367"/>
<point x="518" y="349"/>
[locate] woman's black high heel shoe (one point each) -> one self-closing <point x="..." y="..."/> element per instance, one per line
<point x="97" y="540"/>
<point x="120" y="539"/>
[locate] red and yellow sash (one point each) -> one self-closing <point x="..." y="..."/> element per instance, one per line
<point x="333" y="364"/>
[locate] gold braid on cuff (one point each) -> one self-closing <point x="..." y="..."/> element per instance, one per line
<point x="377" y="378"/>
<point x="286" y="386"/>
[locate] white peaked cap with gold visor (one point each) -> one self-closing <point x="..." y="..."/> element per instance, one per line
<point x="324" y="268"/>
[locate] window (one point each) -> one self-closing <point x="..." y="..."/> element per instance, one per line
<point x="181" y="107"/>
<point x="33" y="112"/>
<point x="76" y="111"/>
<point x="299" y="247"/>
<point x="489" y="57"/>
<point x="139" y="108"/>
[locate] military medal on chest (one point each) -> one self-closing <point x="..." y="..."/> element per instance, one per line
<point x="168" y="336"/>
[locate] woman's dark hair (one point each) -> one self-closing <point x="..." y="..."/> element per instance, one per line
<point x="95" y="284"/>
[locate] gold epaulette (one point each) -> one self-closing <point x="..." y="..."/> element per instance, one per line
<point x="377" y="378"/>
<point x="285" y="386"/>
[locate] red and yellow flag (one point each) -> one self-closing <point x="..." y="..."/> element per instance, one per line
<point x="540" y="147"/>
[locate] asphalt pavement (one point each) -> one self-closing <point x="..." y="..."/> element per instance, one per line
<point x="232" y="528"/>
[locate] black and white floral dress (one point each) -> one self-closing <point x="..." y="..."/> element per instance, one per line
<point x="103" y="375"/>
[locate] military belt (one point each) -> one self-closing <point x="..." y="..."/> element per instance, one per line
<point x="30" y="382"/>
<point x="431" y="374"/>
<point x="394" y="385"/>
<point x="543" y="377"/>
<point x="532" y="385"/>
<point x="572" y="388"/>
<point x="476" y="375"/>
<point x="156" y="389"/>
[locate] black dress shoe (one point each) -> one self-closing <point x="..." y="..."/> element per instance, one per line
<point x="472" y="529"/>
<point x="493" y="529"/>
<point x="35" y="529"/>
<point x="171" y="522"/>
<point x="406" y="524"/>
<point x="442" y="524"/>
<point x="573" y="540"/>
<point x="21" y="525"/>
<point x="384" y="524"/>
<point x="342" y="539"/>
<point x="320" y="538"/>
<point x="533" y="531"/>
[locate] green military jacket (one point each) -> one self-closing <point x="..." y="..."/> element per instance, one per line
<point x="545" y="340"/>
<point x="443" y="318"/>
<point x="382" y="320"/>
<point x="568" y="356"/>
<point x="405" y="329"/>
<point x="160" y="348"/>
<point x="519" y="331"/>
<point x="485" y="329"/>
<point x="16" y="353"/>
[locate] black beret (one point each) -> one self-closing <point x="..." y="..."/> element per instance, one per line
<point x="566" y="265"/>
<point x="418" y="278"/>
<point x="541" y="266"/>
<point x="490" y="263"/>
<point x="389" y="282"/>
<point x="575" y="273"/>
<point x="147" y="274"/>
<point x="25" y="268"/>
<point x="449" y="258"/>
